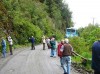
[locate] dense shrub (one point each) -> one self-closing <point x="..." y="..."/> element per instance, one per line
<point x="79" y="44"/>
<point x="83" y="44"/>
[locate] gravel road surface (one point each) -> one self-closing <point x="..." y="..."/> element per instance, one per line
<point x="29" y="61"/>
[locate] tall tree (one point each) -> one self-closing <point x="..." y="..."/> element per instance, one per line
<point x="60" y="14"/>
<point x="5" y="20"/>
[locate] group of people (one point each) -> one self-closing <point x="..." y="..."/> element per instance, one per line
<point x="4" y="46"/>
<point x="63" y="49"/>
<point x="51" y="43"/>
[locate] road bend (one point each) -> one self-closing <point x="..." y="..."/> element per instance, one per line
<point x="29" y="61"/>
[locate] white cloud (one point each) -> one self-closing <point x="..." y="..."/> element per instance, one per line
<point x="84" y="11"/>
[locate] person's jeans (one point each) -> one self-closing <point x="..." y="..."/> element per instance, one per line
<point x="4" y="52"/>
<point x="66" y="61"/>
<point x="53" y="52"/>
<point x="61" y="61"/>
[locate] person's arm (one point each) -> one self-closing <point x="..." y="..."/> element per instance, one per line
<point x="73" y="53"/>
<point x="62" y="48"/>
<point x="8" y="39"/>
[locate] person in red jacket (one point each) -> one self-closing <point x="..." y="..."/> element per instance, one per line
<point x="59" y="52"/>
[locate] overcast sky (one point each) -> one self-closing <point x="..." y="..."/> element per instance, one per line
<point x="83" y="11"/>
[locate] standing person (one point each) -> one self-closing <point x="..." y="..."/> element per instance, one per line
<point x="59" y="52"/>
<point x="32" y="40"/>
<point x="3" y="44"/>
<point x="48" y="42"/>
<point x="53" y="47"/>
<point x="96" y="57"/>
<point x="43" y="41"/>
<point x="10" y="44"/>
<point x="66" y="50"/>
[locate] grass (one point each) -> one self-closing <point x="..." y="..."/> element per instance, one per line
<point x="83" y="64"/>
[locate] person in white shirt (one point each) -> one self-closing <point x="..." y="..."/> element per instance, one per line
<point x="10" y="45"/>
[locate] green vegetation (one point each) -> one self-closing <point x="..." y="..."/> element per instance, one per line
<point x="83" y="44"/>
<point x="23" y="18"/>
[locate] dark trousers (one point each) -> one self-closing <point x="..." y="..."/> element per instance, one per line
<point x="43" y="46"/>
<point x="10" y="48"/>
<point x="96" y="72"/>
<point x="33" y="46"/>
<point x="48" y="45"/>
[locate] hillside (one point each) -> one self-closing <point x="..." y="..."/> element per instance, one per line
<point x="24" y="18"/>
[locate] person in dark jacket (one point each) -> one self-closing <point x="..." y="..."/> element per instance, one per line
<point x="32" y="40"/>
<point x="96" y="57"/>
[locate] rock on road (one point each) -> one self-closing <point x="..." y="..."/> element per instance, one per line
<point x="36" y="61"/>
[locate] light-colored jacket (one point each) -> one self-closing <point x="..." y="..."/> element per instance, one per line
<point x="10" y="41"/>
<point x="43" y="39"/>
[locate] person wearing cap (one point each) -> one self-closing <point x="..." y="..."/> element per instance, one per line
<point x="10" y="44"/>
<point x="59" y="52"/>
<point x="96" y="57"/>
<point x="66" y="50"/>
<point x="3" y="45"/>
<point x="32" y="40"/>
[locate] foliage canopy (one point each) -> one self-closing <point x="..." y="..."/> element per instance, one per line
<point x="24" y="18"/>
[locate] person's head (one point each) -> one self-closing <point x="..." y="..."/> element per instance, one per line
<point x="52" y="39"/>
<point x="62" y="41"/>
<point x="9" y="36"/>
<point x="43" y="37"/>
<point x="66" y="41"/>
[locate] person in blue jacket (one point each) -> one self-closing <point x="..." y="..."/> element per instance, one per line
<point x="32" y="40"/>
<point x="96" y="57"/>
<point x="3" y="45"/>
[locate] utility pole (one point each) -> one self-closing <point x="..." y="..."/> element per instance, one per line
<point x="93" y="21"/>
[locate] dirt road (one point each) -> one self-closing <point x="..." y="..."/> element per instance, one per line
<point x="28" y="61"/>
